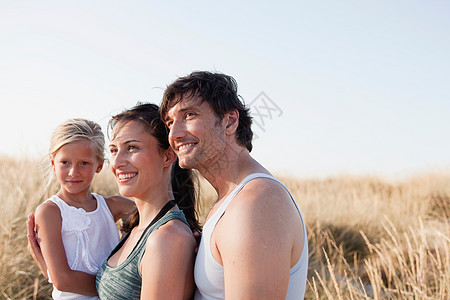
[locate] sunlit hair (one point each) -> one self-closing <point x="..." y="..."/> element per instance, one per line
<point x="74" y="130"/>
<point x="183" y="180"/>
<point x="71" y="131"/>
<point x="219" y="91"/>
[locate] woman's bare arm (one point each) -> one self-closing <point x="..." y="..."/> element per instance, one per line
<point x="168" y="269"/>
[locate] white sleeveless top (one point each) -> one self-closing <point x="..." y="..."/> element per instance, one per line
<point x="208" y="272"/>
<point x="88" y="238"/>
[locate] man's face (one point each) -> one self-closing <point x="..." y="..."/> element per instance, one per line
<point x="196" y="135"/>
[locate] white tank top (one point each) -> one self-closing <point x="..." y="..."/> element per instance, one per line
<point x="208" y="272"/>
<point x="88" y="239"/>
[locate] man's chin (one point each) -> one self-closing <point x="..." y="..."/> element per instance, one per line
<point x="186" y="163"/>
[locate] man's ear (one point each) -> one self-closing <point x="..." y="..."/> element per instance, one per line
<point x="231" y="119"/>
<point x="169" y="157"/>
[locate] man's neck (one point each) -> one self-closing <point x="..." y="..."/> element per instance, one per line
<point x="225" y="174"/>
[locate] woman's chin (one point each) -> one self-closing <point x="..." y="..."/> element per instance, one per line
<point x="125" y="192"/>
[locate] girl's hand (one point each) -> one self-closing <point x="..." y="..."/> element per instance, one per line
<point x="33" y="246"/>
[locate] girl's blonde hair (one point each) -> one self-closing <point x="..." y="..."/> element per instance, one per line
<point x="74" y="130"/>
<point x="70" y="131"/>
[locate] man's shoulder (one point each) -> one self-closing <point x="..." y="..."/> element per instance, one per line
<point x="262" y="190"/>
<point x="262" y="211"/>
<point x="258" y="201"/>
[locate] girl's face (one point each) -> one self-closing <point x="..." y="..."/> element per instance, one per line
<point x="137" y="161"/>
<point x="75" y="165"/>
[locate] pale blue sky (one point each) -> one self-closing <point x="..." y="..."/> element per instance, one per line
<point x="363" y="86"/>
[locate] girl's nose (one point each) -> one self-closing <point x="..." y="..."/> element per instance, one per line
<point x="73" y="170"/>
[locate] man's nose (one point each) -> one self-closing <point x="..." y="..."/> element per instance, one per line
<point x="177" y="130"/>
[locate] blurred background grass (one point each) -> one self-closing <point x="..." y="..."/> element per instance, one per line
<point x="369" y="237"/>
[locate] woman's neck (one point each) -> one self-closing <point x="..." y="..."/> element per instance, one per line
<point x="150" y="206"/>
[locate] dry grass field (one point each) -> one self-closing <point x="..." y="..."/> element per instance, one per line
<point x="369" y="238"/>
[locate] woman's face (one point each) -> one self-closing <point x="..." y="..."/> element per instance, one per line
<point x="137" y="162"/>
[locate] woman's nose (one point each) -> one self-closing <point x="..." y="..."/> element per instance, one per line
<point x="117" y="160"/>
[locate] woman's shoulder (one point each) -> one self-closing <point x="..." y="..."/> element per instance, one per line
<point x="173" y="233"/>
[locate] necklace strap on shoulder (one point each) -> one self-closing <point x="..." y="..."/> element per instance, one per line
<point x="161" y="213"/>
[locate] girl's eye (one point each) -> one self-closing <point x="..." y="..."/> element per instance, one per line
<point x="113" y="150"/>
<point x="132" y="147"/>
<point x="84" y="163"/>
<point x="64" y="162"/>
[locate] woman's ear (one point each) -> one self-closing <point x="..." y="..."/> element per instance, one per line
<point x="232" y="121"/>
<point x="169" y="157"/>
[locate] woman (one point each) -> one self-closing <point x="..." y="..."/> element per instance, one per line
<point x="155" y="259"/>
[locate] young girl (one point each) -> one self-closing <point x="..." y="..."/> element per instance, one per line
<point x="76" y="228"/>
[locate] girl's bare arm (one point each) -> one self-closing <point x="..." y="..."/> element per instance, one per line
<point x="48" y="227"/>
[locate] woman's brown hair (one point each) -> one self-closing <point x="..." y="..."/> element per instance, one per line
<point x="183" y="187"/>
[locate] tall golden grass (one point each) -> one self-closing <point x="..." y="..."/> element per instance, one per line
<point x="369" y="237"/>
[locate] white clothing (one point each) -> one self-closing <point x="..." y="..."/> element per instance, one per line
<point x="88" y="239"/>
<point x="208" y="272"/>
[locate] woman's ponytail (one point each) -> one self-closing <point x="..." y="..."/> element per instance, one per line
<point x="183" y="189"/>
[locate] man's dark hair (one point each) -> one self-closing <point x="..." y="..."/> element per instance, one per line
<point x="219" y="91"/>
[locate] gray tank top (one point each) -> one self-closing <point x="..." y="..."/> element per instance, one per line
<point x="124" y="281"/>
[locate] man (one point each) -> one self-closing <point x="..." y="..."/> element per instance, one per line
<point x="254" y="243"/>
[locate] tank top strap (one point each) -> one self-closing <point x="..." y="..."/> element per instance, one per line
<point x="171" y="215"/>
<point x="243" y="183"/>
<point x="221" y="210"/>
<point x="263" y="175"/>
<point x="101" y="202"/>
<point x="102" y="205"/>
<point x="62" y="205"/>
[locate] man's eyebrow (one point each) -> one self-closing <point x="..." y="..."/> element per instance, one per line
<point x="186" y="108"/>
<point x="181" y="110"/>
